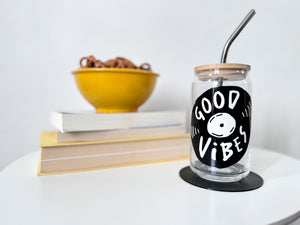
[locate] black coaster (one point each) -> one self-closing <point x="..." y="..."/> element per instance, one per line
<point x="251" y="182"/>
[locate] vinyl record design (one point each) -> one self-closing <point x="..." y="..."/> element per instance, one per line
<point x="220" y="126"/>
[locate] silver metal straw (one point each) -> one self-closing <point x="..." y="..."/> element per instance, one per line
<point x="232" y="38"/>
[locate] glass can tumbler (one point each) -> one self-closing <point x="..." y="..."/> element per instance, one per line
<point x="221" y="122"/>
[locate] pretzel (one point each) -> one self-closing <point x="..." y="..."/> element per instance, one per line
<point x="90" y="61"/>
<point x="145" y="66"/>
<point x="98" y="64"/>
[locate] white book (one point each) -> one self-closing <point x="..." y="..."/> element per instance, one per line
<point x="91" y="121"/>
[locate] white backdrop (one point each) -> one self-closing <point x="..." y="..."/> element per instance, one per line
<point x="42" y="41"/>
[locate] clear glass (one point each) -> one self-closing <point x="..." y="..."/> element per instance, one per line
<point x="203" y="82"/>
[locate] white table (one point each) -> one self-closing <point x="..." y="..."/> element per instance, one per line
<point x="145" y="194"/>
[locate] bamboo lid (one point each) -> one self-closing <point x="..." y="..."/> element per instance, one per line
<point x="222" y="66"/>
<point x="229" y="71"/>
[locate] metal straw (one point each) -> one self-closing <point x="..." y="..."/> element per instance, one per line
<point x="232" y="38"/>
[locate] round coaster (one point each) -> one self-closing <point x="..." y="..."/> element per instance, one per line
<point x="251" y="182"/>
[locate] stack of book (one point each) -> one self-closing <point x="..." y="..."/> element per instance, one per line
<point x="86" y="141"/>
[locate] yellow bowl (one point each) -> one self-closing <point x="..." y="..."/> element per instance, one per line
<point x="115" y="90"/>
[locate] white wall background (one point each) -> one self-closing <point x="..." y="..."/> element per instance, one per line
<point x="42" y="41"/>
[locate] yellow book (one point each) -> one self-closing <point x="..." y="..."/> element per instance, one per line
<point x="121" y="133"/>
<point x="79" y="156"/>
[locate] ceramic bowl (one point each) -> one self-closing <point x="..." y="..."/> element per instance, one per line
<point x="115" y="90"/>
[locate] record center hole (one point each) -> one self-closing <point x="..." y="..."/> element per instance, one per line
<point x="222" y="125"/>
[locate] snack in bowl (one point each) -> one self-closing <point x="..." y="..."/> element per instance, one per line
<point x="119" y="62"/>
<point x="115" y="85"/>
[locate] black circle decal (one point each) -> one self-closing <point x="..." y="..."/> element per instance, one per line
<point x="220" y="126"/>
